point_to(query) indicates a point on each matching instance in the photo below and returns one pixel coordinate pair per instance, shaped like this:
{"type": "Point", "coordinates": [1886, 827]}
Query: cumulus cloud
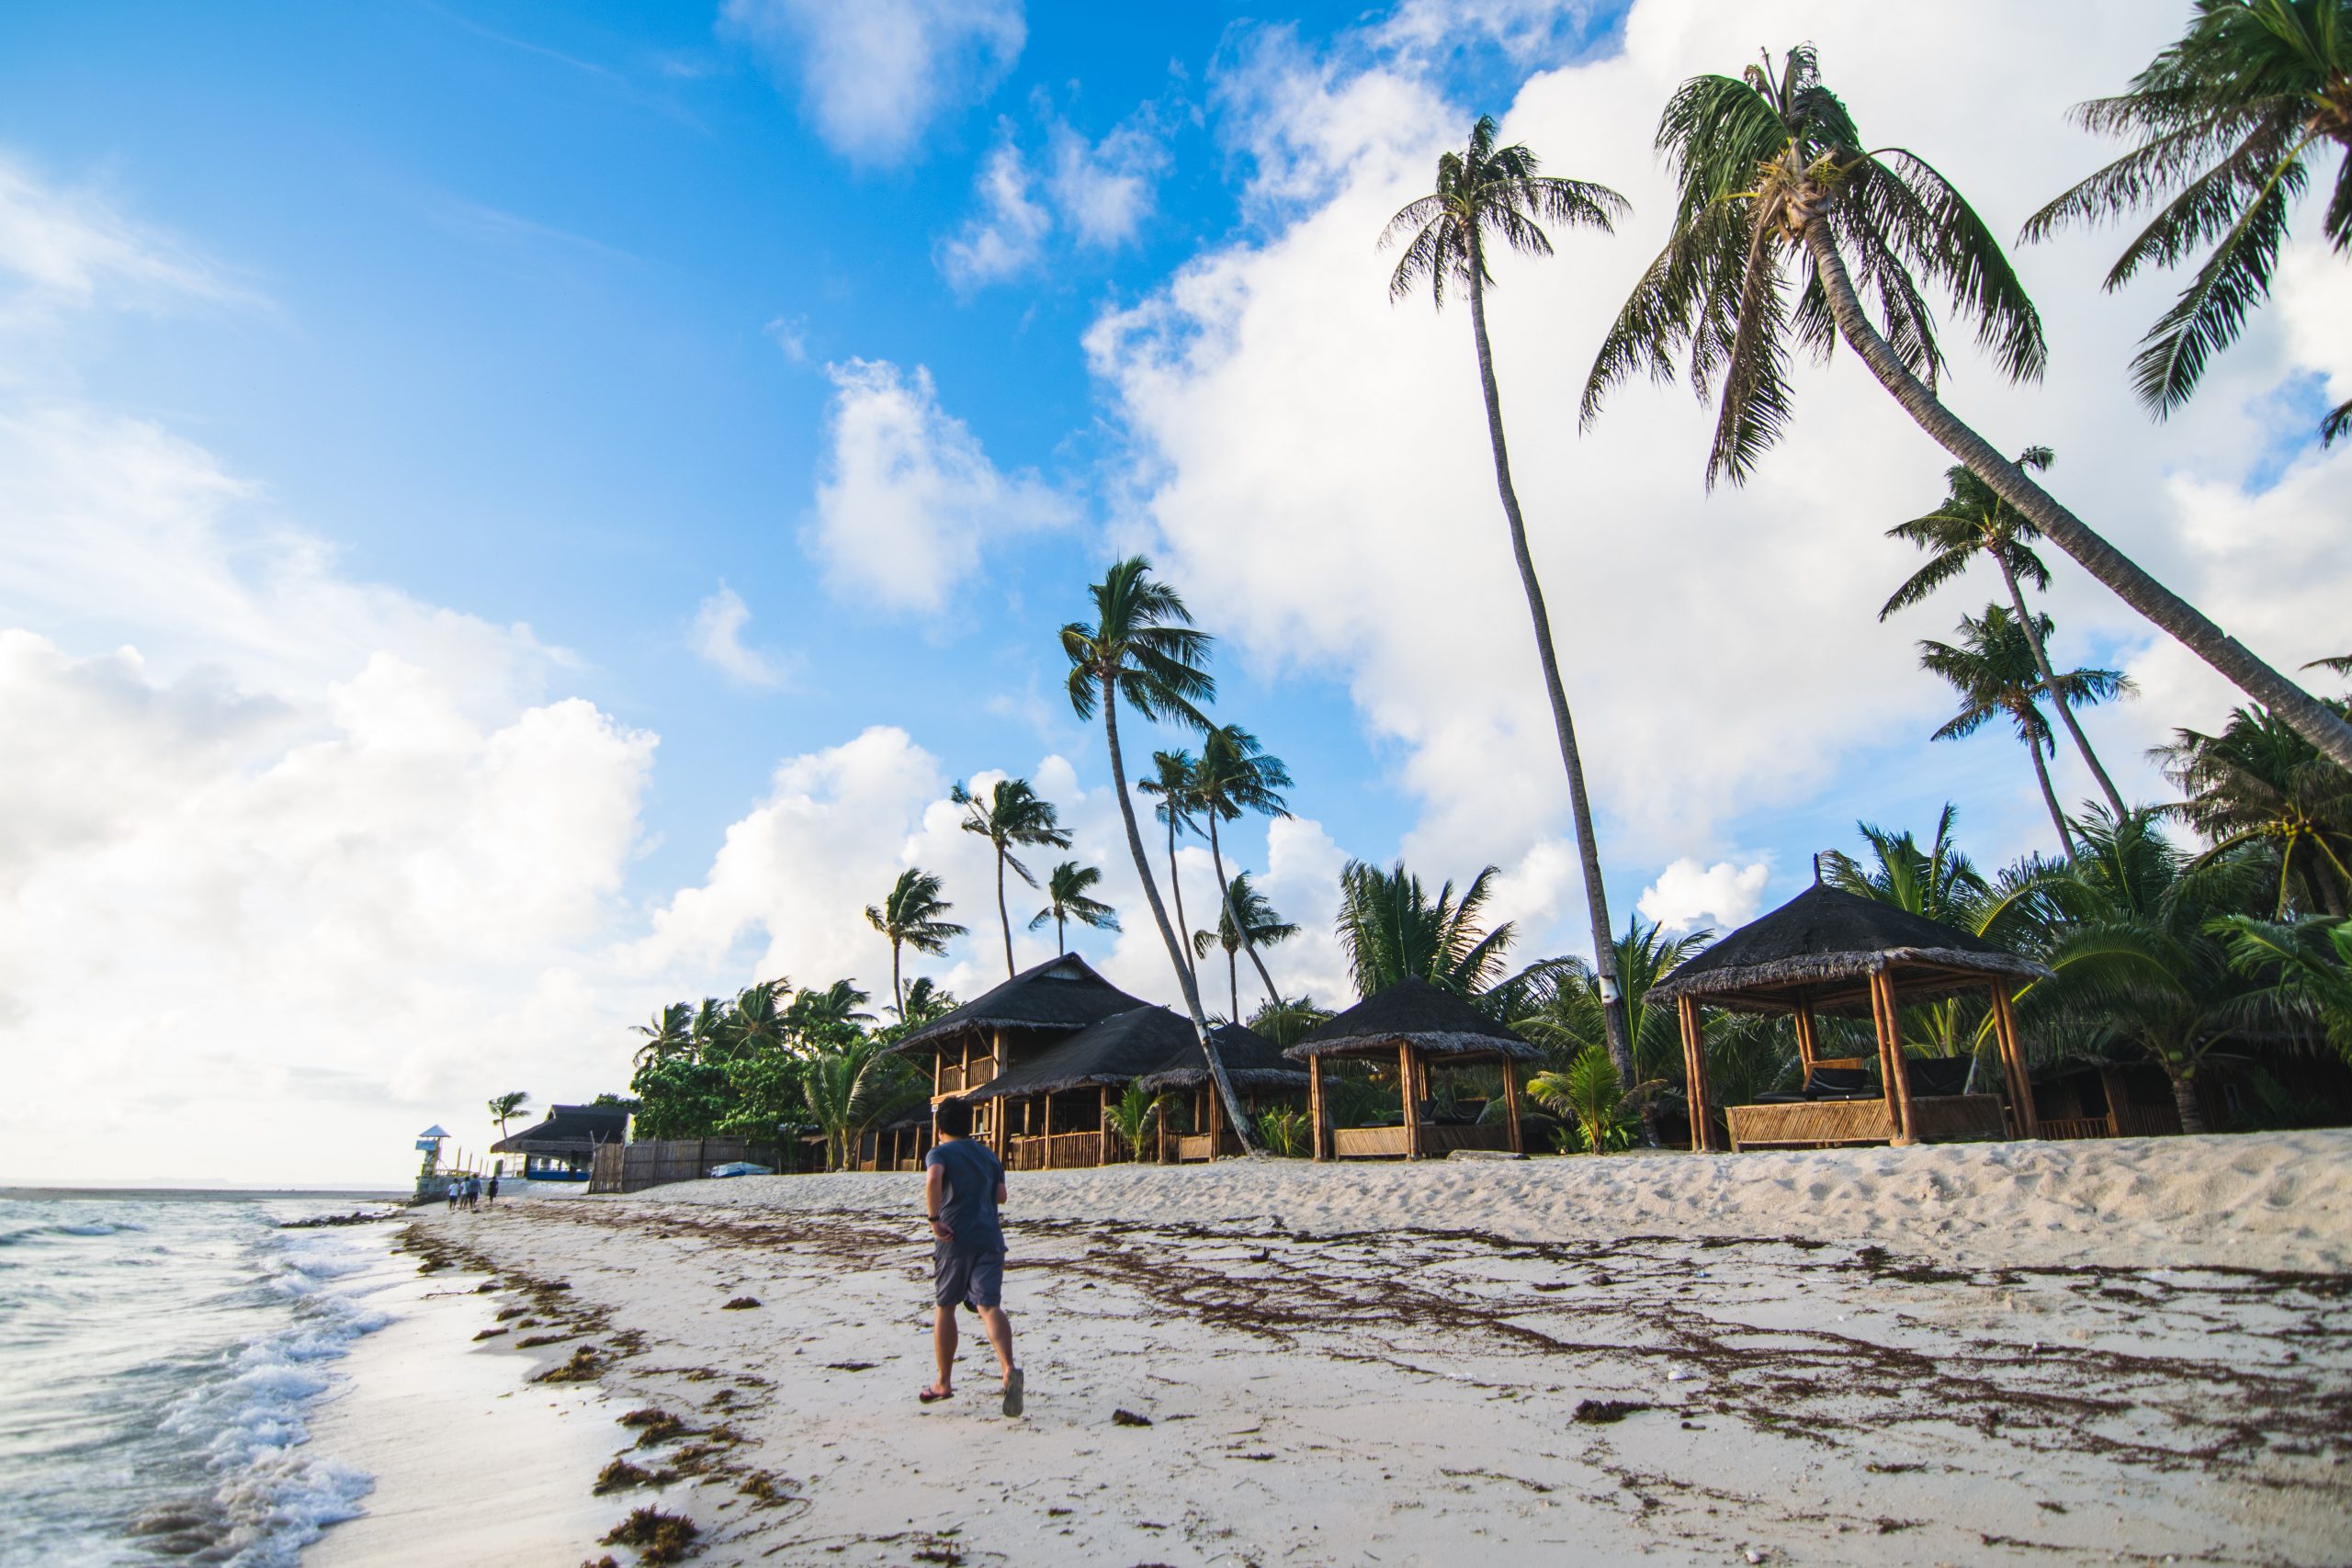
{"type": "Point", "coordinates": [1101, 191]}
{"type": "Point", "coordinates": [1007, 235]}
{"type": "Point", "coordinates": [874, 75]}
{"type": "Point", "coordinates": [907, 499]}
{"type": "Point", "coordinates": [1104, 189]}
{"type": "Point", "coordinates": [1722, 653]}
{"type": "Point", "coordinates": [1688, 895]}
{"type": "Point", "coordinates": [716, 639]}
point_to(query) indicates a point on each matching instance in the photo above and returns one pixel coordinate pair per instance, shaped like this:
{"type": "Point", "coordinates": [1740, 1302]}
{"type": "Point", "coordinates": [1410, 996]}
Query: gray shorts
{"type": "Point", "coordinates": [973, 1279]}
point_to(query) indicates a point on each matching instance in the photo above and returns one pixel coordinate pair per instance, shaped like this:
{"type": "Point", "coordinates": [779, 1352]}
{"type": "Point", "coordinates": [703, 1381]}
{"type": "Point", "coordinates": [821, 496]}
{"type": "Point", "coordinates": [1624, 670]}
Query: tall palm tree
{"type": "Point", "coordinates": [1171, 783]}
{"type": "Point", "coordinates": [1234, 775]}
{"type": "Point", "coordinates": [2258, 781]}
{"type": "Point", "coordinates": [504, 1108]}
{"type": "Point", "coordinates": [1245, 919]}
{"type": "Point", "coordinates": [911, 916]}
{"type": "Point", "coordinates": [1013, 814]}
{"type": "Point", "coordinates": [1484, 192]}
{"type": "Point", "coordinates": [1142, 648]}
{"type": "Point", "coordinates": [1771, 166]}
{"type": "Point", "coordinates": [666, 1036]}
{"type": "Point", "coordinates": [1067, 899]}
{"type": "Point", "coordinates": [1974, 518]}
{"type": "Point", "coordinates": [2232, 116]}
{"type": "Point", "coordinates": [1995, 671]}
{"type": "Point", "coordinates": [1390, 928]}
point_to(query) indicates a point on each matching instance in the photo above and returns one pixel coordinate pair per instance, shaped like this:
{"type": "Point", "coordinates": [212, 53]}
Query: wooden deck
{"type": "Point", "coordinates": [1435, 1141]}
{"type": "Point", "coordinates": [1830, 1124]}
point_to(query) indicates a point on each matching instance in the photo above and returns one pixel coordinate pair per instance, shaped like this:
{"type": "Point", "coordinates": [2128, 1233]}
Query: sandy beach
{"type": "Point", "coordinates": [2073, 1352]}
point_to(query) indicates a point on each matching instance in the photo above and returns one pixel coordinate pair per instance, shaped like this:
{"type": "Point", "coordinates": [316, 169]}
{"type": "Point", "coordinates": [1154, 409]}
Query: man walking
{"type": "Point", "coordinates": [962, 1185]}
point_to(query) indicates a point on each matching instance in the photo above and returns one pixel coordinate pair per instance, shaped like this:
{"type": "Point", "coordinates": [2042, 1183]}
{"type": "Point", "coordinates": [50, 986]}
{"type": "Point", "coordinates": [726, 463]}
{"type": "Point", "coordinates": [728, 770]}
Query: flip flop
{"type": "Point", "coordinates": [934, 1395]}
{"type": "Point", "coordinates": [1012, 1392]}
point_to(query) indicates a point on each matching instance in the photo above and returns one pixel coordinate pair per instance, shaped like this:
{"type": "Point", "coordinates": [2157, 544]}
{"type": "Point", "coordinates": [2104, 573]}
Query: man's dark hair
{"type": "Point", "coordinates": [953, 1118]}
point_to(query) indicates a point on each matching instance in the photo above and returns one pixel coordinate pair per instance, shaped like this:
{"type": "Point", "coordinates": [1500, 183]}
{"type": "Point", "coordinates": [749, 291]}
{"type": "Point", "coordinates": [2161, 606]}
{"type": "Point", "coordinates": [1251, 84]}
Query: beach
{"type": "Point", "coordinates": [2121, 1350]}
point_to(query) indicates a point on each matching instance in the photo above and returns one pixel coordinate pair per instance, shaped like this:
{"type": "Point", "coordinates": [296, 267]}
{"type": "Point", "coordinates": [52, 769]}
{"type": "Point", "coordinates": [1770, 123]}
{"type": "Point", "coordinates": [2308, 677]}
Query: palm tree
{"type": "Point", "coordinates": [1390, 928]}
{"type": "Point", "coordinates": [1973, 518]}
{"type": "Point", "coordinates": [925, 1000]}
{"type": "Point", "coordinates": [1770, 165]}
{"type": "Point", "coordinates": [2309, 964]}
{"type": "Point", "coordinates": [853, 1085]}
{"type": "Point", "coordinates": [820, 1021]}
{"type": "Point", "coordinates": [2230, 115]}
{"type": "Point", "coordinates": [1591, 1094]}
{"type": "Point", "coordinates": [1131, 1117]}
{"type": "Point", "coordinates": [1994, 669]}
{"type": "Point", "coordinates": [1234, 774]}
{"type": "Point", "coordinates": [1013, 814]}
{"type": "Point", "coordinates": [1246, 920]}
{"type": "Point", "coordinates": [1172, 784]}
{"type": "Point", "coordinates": [1285, 1019]}
{"type": "Point", "coordinates": [666, 1036]}
{"type": "Point", "coordinates": [1481, 191]}
{"type": "Point", "coordinates": [506, 1107]}
{"type": "Point", "coordinates": [1939, 881]}
{"type": "Point", "coordinates": [1142, 647]}
{"type": "Point", "coordinates": [911, 917]}
{"type": "Point", "coordinates": [1067, 899]}
{"type": "Point", "coordinates": [2258, 781]}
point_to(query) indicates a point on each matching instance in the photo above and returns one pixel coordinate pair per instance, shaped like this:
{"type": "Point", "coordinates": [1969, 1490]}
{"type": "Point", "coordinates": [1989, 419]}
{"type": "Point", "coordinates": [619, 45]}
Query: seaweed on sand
{"type": "Point", "coordinates": [658, 1537]}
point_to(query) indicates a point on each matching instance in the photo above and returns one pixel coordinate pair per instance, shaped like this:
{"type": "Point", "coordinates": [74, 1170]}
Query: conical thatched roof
{"type": "Point", "coordinates": [1414, 1012]}
{"type": "Point", "coordinates": [1059, 994]}
{"type": "Point", "coordinates": [1144, 1042]}
{"type": "Point", "coordinates": [1834, 940]}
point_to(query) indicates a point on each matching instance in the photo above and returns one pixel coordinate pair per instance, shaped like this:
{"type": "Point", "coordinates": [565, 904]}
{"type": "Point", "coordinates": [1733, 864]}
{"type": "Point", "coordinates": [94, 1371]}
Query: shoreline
{"type": "Point", "coordinates": [1258, 1363]}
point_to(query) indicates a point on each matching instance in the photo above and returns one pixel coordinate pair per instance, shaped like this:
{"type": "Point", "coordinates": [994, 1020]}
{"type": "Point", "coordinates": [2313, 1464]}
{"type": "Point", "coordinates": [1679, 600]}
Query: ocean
{"type": "Point", "coordinates": [160, 1356]}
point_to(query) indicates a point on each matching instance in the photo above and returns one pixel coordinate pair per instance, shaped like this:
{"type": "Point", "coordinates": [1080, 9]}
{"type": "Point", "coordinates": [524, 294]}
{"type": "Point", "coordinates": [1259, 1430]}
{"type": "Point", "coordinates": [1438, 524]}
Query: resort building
{"type": "Point", "coordinates": [563, 1147]}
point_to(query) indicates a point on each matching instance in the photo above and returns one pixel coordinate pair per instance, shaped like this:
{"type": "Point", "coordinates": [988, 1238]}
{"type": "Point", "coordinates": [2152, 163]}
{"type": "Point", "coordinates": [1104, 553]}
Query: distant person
{"type": "Point", "coordinates": [962, 1185]}
{"type": "Point", "coordinates": [457, 1190]}
{"type": "Point", "coordinates": [473, 1192]}
{"type": "Point", "coordinates": [490, 1192]}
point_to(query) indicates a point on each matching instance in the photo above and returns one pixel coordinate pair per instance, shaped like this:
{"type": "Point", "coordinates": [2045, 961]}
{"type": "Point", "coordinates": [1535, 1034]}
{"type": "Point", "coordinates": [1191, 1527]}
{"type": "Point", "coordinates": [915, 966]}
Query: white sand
{"type": "Point", "coordinates": [2063, 1354]}
{"type": "Point", "coordinates": [469, 1460]}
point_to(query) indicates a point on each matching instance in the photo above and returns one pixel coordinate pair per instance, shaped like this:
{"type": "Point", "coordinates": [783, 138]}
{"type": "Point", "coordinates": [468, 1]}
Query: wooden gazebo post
{"type": "Point", "coordinates": [2004, 1025]}
{"type": "Point", "coordinates": [1700, 1095]}
{"type": "Point", "coordinates": [1314, 1104]}
{"type": "Point", "coordinates": [1510, 1103]}
{"type": "Point", "coordinates": [1808, 1043]}
{"type": "Point", "coordinates": [1404, 1090]}
{"type": "Point", "coordinates": [1890, 1055]}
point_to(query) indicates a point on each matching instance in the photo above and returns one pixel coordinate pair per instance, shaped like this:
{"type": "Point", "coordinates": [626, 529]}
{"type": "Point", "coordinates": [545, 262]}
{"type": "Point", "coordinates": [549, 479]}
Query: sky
{"type": "Point", "coordinates": [515, 513]}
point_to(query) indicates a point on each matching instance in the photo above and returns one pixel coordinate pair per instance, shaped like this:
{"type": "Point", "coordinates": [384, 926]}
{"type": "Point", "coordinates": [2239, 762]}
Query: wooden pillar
{"type": "Point", "coordinates": [1808, 1041]}
{"type": "Point", "coordinates": [1511, 1104]}
{"type": "Point", "coordinates": [1890, 1035]}
{"type": "Point", "coordinates": [1407, 1082]}
{"type": "Point", "coordinates": [1217, 1124]}
{"type": "Point", "coordinates": [2005, 1020]}
{"type": "Point", "coordinates": [1103, 1128]}
{"type": "Point", "coordinates": [1314, 1104]}
{"type": "Point", "coordinates": [1699, 1094]}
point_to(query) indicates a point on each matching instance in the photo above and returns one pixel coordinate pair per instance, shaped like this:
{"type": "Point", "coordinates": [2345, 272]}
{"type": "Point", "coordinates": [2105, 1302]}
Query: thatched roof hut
{"type": "Point", "coordinates": [1060, 995]}
{"type": "Point", "coordinates": [1827, 951]}
{"type": "Point", "coordinates": [564, 1144]}
{"type": "Point", "coordinates": [1151, 1045]}
{"type": "Point", "coordinates": [1414, 1023]}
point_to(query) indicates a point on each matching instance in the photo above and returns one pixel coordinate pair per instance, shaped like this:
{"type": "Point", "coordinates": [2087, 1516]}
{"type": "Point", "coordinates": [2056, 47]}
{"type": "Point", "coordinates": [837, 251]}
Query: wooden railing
{"type": "Point", "coordinates": [1057, 1151]}
{"type": "Point", "coordinates": [2075, 1127]}
{"type": "Point", "coordinates": [960, 1078]}
{"type": "Point", "coordinates": [2147, 1122]}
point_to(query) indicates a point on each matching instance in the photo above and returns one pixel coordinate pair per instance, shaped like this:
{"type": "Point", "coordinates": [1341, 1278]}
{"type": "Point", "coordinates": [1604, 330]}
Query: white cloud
{"type": "Point", "coordinates": [907, 499]}
{"type": "Point", "coordinates": [1688, 895]}
{"type": "Point", "coordinates": [1314, 462]}
{"type": "Point", "coordinates": [72, 249]}
{"type": "Point", "coordinates": [875, 74]}
{"type": "Point", "coordinates": [1007, 236]}
{"type": "Point", "coordinates": [717, 640]}
{"type": "Point", "coordinates": [1104, 189]}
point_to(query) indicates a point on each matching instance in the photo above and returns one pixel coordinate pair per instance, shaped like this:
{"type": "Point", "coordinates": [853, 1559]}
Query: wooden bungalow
{"type": "Point", "coordinates": [898, 1145]}
{"type": "Point", "coordinates": [562, 1147]}
{"type": "Point", "coordinates": [1259, 1074]}
{"type": "Point", "coordinates": [1415, 1025]}
{"type": "Point", "coordinates": [1831, 953]}
{"type": "Point", "coordinates": [975, 1044]}
{"type": "Point", "coordinates": [1054, 1107]}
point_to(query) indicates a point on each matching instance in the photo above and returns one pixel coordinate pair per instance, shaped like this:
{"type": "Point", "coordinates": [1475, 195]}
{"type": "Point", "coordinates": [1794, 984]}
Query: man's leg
{"type": "Point", "coordinates": [943, 1347]}
{"type": "Point", "coordinates": [1000, 1331]}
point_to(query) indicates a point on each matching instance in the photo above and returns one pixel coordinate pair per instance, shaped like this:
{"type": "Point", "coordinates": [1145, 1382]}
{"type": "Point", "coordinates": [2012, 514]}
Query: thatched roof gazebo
{"type": "Point", "coordinates": [1415, 1023]}
{"type": "Point", "coordinates": [974, 1042]}
{"type": "Point", "coordinates": [1146, 1044]}
{"type": "Point", "coordinates": [563, 1146]}
{"type": "Point", "coordinates": [1830, 952]}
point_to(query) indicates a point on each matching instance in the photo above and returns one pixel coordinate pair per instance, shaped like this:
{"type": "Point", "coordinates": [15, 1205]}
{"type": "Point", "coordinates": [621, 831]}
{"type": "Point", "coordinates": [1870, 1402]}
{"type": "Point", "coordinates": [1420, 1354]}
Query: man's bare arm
{"type": "Point", "coordinates": [934, 1193]}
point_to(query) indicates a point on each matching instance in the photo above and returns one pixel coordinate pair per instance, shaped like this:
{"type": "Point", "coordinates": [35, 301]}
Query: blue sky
{"type": "Point", "coordinates": [788, 376]}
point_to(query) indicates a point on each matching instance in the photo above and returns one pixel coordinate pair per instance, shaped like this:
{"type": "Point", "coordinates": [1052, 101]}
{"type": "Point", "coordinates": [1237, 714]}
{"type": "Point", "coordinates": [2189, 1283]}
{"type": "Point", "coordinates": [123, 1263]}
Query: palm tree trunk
{"type": "Point", "coordinates": [897, 987]}
{"type": "Point", "coordinates": [1233, 985]}
{"type": "Point", "coordinates": [1216, 859]}
{"type": "Point", "coordinates": [1176, 886]}
{"type": "Point", "coordinates": [2049, 686]}
{"type": "Point", "coordinates": [1184, 977]}
{"type": "Point", "coordinates": [2048, 796]}
{"type": "Point", "coordinates": [1000, 914]}
{"type": "Point", "coordinates": [2184, 1101]}
{"type": "Point", "coordinates": [2170, 613]}
{"type": "Point", "coordinates": [1595, 898]}
{"type": "Point", "coordinates": [1061, 935]}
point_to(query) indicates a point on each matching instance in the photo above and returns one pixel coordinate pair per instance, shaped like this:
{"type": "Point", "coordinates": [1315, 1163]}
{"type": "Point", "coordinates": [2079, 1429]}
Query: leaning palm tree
{"type": "Point", "coordinates": [1013, 814]}
{"type": "Point", "coordinates": [1246, 920]}
{"type": "Point", "coordinates": [1770, 167]}
{"type": "Point", "coordinates": [1994, 669]}
{"type": "Point", "coordinates": [1067, 899]}
{"type": "Point", "coordinates": [1142, 648]}
{"type": "Point", "coordinates": [1484, 194]}
{"type": "Point", "coordinates": [504, 1108]}
{"type": "Point", "coordinates": [2232, 117]}
{"type": "Point", "coordinates": [1973, 518]}
{"type": "Point", "coordinates": [913, 916]}
{"type": "Point", "coordinates": [1171, 783]}
{"type": "Point", "coordinates": [1234, 775]}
